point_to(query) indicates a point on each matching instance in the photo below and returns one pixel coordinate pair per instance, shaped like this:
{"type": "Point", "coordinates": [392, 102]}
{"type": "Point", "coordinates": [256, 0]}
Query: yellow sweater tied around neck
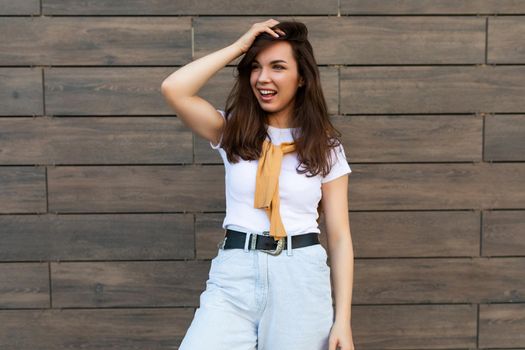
{"type": "Point", "coordinates": [267, 184]}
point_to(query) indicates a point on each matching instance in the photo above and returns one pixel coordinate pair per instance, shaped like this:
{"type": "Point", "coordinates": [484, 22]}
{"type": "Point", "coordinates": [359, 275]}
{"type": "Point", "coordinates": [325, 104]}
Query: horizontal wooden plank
{"type": "Point", "coordinates": [414, 326]}
{"type": "Point", "coordinates": [21, 91]}
{"type": "Point", "coordinates": [24, 285]}
{"type": "Point", "coordinates": [439, 89]}
{"type": "Point", "coordinates": [367, 40]}
{"type": "Point", "coordinates": [187, 7]}
{"type": "Point", "coordinates": [415, 234]}
{"type": "Point", "coordinates": [504, 138]}
{"type": "Point", "coordinates": [96, 237]}
{"type": "Point", "coordinates": [105, 91]}
{"type": "Point", "coordinates": [19, 7]}
{"type": "Point", "coordinates": [439, 280]}
{"type": "Point", "coordinates": [505, 40]}
{"type": "Point", "coordinates": [391, 7]}
{"type": "Point", "coordinates": [126, 284]}
{"type": "Point", "coordinates": [95, 41]}
{"type": "Point", "coordinates": [167, 140]}
{"type": "Point", "coordinates": [23, 190]}
{"type": "Point", "coordinates": [95, 140]}
{"type": "Point", "coordinates": [387, 281]}
{"type": "Point", "coordinates": [116, 329]}
{"type": "Point", "coordinates": [377, 187]}
{"type": "Point", "coordinates": [130, 91]}
{"type": "Point", "coordinates": [437, 186]}
{"type": "Point", "coordinates": [502, 326]}
{"type": "Point", "coordinates": [503, 233]}
{"type": "Point", "coordinates": [442, 138]}
{"type": "Point", "coordinates": [135, 188]}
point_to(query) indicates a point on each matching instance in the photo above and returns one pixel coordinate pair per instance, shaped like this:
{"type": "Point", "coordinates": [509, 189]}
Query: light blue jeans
{"type": "Point", "coordinates": [254, 300]}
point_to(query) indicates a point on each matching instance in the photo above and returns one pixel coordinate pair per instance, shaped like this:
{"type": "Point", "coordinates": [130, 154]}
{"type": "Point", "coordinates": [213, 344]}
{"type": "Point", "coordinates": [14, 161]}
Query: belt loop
{"type": "Point", "coordinates": [289, 245]}
{"type": "Point", "coordinates": [247, 240]}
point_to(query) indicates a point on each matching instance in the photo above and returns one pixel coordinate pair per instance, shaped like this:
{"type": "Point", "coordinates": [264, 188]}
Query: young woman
{"type": "Point", "coordinates": [269, 286]}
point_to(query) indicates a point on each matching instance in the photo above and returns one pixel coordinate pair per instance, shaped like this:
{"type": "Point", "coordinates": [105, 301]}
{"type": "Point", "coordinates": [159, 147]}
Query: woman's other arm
{"type": "Point", "coordinates": [335, 208]}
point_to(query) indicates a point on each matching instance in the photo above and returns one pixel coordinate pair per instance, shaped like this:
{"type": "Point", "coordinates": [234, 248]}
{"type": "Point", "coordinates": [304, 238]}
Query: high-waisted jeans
{"type": "Point", "coordinates": [254, 300]}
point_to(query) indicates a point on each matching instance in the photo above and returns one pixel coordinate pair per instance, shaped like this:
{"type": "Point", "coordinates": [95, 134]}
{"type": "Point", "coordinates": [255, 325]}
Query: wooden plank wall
{"type": "Point", "coordinates": [110, 208]}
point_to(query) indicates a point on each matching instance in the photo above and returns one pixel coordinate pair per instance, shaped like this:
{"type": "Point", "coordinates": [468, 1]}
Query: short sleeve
{"type": "Point", "coordinates": [340, 166]}
{"type": "Point", "coordinates": [217, 146]}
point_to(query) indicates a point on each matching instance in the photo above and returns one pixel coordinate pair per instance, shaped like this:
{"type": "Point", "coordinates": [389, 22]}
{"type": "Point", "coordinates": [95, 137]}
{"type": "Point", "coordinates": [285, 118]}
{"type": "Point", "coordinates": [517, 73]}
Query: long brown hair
{"type": "Point", "coordinates": [245, 132]}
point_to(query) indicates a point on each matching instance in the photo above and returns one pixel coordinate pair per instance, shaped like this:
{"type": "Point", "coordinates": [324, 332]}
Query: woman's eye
{"type": "Point", "coordinates": [280, 67]}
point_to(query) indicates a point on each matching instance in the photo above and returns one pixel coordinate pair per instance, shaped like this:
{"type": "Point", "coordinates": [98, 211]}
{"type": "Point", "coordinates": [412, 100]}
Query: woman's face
{"type": "Point", "coordinates": [275, 68]}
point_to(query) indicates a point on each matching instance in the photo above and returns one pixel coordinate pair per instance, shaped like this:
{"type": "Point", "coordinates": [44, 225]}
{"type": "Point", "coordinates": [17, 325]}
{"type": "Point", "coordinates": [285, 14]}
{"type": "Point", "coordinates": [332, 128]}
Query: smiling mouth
{"type": "Point", "coordinates": [267, 97]}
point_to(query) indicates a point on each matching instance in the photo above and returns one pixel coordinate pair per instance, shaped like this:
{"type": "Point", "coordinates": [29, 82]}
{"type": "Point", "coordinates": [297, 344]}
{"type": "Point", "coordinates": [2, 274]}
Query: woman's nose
{"type": "Point", "coordinates": [263, 76]}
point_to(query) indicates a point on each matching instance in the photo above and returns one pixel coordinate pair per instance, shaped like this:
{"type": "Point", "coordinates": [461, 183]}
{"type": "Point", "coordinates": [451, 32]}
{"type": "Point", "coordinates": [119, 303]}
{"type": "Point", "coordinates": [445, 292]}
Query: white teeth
{"type": "Point", "coordinates": [266, 92]}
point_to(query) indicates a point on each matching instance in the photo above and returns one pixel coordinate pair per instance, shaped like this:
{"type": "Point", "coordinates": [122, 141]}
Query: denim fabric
{"type": "Point", "coordinates": [254, 300]}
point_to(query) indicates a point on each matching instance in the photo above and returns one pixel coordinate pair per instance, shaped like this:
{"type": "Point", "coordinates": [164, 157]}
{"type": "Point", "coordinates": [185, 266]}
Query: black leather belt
{"type": "Point", "coordinates": [266, 243]}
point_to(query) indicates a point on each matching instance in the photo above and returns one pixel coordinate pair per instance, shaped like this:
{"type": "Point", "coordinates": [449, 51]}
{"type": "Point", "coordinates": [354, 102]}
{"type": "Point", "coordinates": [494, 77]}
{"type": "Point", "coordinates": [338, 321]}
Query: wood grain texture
{"type": "Point", "coordinates": [397, 7]}
{"type": "Point", "coordinates": [96, 237]}
{"type": "Point", "coordinates": [155, 329]}
{"type": "Point", "coordinates": [105, 91]}
{"type": "Point", "coordinates": [135, 188]}
{"type": "Point", "coordinates": [415, 233]}
{"type": "Point", "coordinates": [505, 44]}
{"type": "Point", "coordinates": [437, 186]}
{"type": "Point", "coordinates": [128, 284]}
{"type": "Point", "coordinates": [504, 233]}
{"type": "Point", "coordinates": [21, 91]}
{"type": "Point", "coordinates": [95, 41]}
{"type": "Point", "coordinates": [439, 280]}
{"type": "Point", "coordinates": [504, 138]}
{"type": "Point", "coordinates": [24, 285]}
{"type": "Point", "coordinates": [19, 7]}
{"type": "Point", "coordinates": [414, 326]}
{"type": "Point", "coordinates": [95, 140]}
{"type": "Point", "coordinates": [502, 325]}
{"type": "Point", "coordinates": [437, 89]}
{"type": "Point", "coordinates": [23, 190]}
{"type": "Point", "coordinates": [367, 40]}
{"type": "Point", "coordinates": [188, 7]}
{"type": "Point", "coordinates": [414, 138]}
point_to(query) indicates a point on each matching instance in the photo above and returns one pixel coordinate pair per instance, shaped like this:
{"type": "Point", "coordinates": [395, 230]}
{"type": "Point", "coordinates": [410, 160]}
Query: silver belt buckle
{"type": "Point", "coordinates": [278, 249]}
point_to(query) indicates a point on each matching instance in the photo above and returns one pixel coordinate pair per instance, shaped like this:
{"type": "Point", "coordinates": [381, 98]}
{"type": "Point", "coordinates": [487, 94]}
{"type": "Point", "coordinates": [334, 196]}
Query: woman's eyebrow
{"type": "Point", "coordinates": [274, 61]}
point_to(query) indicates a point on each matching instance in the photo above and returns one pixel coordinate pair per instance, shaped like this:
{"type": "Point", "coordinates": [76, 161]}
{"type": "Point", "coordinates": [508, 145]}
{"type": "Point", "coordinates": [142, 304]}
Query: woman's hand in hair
{"type": "Point", "coordinates": [245, 41]}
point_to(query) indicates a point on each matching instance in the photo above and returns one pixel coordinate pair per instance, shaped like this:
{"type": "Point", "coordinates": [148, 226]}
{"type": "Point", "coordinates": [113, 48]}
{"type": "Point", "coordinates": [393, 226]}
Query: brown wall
{"type": "Point", "coordinates": [110, 208]}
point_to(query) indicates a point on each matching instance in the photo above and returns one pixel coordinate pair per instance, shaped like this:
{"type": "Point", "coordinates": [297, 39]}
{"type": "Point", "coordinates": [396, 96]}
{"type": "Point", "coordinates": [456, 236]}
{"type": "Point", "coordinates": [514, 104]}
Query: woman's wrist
{"type": "Point", "coordinates": [237, 49]}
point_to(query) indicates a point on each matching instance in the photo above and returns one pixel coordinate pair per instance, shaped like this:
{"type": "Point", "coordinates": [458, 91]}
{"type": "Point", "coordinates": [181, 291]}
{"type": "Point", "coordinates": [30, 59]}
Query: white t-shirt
{"type": "Point", "coordinates": [299, 195]}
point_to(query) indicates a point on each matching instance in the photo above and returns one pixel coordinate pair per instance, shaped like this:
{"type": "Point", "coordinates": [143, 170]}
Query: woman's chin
{"type": "Point", "coordinates": [265, 107]}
